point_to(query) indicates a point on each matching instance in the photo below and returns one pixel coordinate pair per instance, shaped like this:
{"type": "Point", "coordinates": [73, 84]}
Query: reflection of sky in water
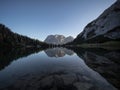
{"type": "Point", "coordinates": [41, 65]}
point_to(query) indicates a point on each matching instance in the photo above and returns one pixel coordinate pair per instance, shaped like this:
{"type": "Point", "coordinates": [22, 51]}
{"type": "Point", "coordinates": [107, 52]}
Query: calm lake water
{"type": "Point", "coordinates": [59, 69]}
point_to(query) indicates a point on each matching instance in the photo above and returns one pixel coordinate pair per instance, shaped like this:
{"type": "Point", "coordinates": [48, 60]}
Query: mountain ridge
{"type": "Point", "coordinates": [105, 28]}
{"type": "Point", "coordinates": [58, 39]}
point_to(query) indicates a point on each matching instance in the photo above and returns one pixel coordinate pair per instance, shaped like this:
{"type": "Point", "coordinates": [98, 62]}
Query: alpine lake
{"type": "Point", "coordinates": [59, 68]}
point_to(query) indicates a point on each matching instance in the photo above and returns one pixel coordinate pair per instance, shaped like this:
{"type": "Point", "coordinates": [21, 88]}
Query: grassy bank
{"type": "Point", "coordinates": [106, 45]}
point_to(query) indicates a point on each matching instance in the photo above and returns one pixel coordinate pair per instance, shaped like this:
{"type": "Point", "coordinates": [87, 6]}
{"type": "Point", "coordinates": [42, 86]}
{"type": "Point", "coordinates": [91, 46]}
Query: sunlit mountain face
{"type": "Point", "coordinates": [58, 39]}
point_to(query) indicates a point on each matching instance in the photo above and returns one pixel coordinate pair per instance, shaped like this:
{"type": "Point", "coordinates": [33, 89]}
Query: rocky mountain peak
{"type": "Point", "coordinates": [58, 39]}
{"type": "Point", "coordinates": [106, 26]}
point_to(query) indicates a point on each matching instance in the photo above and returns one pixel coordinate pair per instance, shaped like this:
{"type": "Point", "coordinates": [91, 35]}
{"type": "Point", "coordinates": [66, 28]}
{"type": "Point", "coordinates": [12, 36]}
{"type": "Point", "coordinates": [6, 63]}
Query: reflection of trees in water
{"type": "Point", "coordinates": [7, 55]}
{"type": "Point", "coordinates": [105, 62]}
{"type": "Point", "coordinates": [58, 52]}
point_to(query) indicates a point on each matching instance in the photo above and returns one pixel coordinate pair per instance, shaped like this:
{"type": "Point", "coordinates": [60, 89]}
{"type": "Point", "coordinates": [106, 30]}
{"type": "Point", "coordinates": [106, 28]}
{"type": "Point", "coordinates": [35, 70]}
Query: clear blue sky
{"type": "Point", "coordinates": [40, 18]}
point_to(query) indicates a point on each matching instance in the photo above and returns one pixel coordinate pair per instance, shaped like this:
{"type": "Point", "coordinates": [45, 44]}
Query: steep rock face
{"type": "Point", "coordinates": [58, 39]}
{"type": "Point", "coordinates": [105, 28]}
{"type": "Point", "coordinates": [68, 39]}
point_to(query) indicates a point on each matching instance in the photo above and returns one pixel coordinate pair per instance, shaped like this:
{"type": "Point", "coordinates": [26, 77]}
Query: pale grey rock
{"type": "Point", "coordinates": [83, 86]}
{"type": "Point", "coordinates": [86, 78]}
{"type": "Point", "coordinates": [68, 78]}
{"type": "Point", "coordinates": [55, 39]}
{"type": "Point", "coordinates": [106, 25]}
{"type": "Point", "coordinates": [68, 39]}
{"type": "Point", "coordinates": [58, 39]}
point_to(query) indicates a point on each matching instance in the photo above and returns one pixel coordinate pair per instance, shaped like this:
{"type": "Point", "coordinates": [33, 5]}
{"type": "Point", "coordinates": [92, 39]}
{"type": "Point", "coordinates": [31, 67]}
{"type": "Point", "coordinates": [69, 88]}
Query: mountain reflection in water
{"type": "Point", "coordinates": [58, 52]}
{"type": "Point", "coordinates": [39, 72]}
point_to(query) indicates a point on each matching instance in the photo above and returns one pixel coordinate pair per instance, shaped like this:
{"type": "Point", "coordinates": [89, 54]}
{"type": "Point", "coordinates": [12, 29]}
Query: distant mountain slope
{"type": "Point", "coordinates": [58, 39]}
{"type": "Point", "coordinates": [105, 28]}
{"type": "Point", "coordinates": [11, 39]}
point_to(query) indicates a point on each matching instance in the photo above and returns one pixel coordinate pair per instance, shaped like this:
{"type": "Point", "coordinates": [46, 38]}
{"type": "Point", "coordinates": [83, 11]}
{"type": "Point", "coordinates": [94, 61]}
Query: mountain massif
{"type": "Point", "coordinates": [58, 39]}
{"type": "Point", "coordinates": [105, 28]}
